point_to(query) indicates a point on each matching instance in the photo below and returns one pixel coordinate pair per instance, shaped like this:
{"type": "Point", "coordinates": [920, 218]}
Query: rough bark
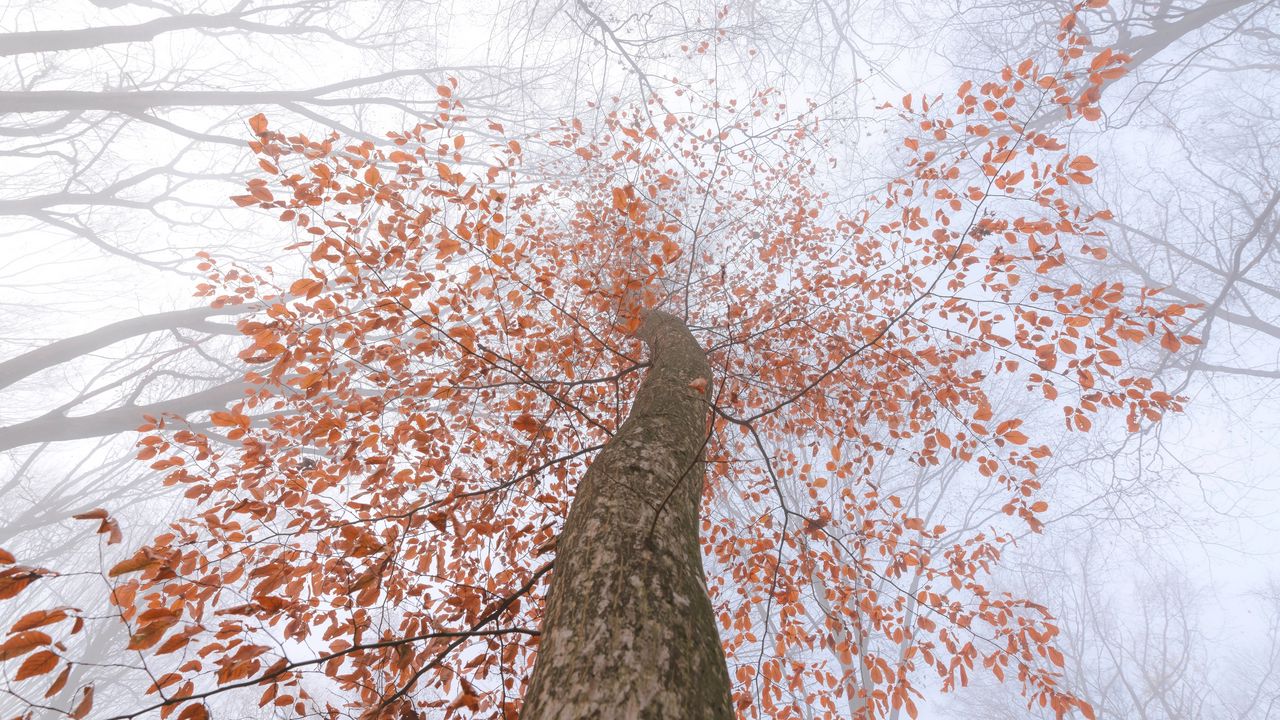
{"type": "Point", "coordinates": [629, 630]}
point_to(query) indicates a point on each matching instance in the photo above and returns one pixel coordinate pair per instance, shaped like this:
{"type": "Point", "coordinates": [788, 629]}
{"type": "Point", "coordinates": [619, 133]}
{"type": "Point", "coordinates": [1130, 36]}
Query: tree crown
{"type": "Point", "coordinates": [453, 339]}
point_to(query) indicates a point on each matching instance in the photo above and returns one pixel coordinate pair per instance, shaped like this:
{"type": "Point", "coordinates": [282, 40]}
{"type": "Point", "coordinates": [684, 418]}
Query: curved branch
{"type": "Point", "coordinates": [68, 349]}
{"type": "Point", "coordinates": [56, 427]}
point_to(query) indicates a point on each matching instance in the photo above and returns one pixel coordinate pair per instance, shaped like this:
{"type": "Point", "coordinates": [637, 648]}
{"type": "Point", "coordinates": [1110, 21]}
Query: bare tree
{"type": "Point", "coordinates": [122, 132]}
{"type": "Point", "coordinates": [1146, 642]}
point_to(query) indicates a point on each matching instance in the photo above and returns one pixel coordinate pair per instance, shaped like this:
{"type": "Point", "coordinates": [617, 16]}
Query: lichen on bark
{"type": "Point", "coordinates": [628, 630]}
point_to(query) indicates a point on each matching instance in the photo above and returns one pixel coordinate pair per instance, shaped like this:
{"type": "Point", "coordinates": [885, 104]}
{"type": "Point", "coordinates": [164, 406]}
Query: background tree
{"type": "Point", "coordinates": [1193, 204]}
{"type": "Point", "coordinates": [1189, 61]}
{"type": "Point", "coordinates": [1150, 653]}
{"type": "Point", "coordinates": [447, 327]}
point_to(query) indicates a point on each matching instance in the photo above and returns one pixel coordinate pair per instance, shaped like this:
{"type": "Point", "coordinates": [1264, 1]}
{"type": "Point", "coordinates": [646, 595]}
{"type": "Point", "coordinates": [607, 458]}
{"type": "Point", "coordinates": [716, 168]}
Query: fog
{"type": "Point", "coordinates": [124, 129]}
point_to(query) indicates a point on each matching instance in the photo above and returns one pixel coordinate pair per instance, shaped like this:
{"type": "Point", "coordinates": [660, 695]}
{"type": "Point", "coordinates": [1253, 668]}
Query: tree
{"type": "Point", "coordinates": [1208, 210]}
{"type": "Point", "coordinates": [452, 346]}
{"type": "Point", "coordinates": [629, 628]}
{"type": "Point", "coordinates": [1149, 652]}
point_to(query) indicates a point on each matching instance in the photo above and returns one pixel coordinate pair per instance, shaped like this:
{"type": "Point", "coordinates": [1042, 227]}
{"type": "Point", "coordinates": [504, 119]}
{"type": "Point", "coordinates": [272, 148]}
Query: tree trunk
{"type": "Point", "coordinates": [629, 631]}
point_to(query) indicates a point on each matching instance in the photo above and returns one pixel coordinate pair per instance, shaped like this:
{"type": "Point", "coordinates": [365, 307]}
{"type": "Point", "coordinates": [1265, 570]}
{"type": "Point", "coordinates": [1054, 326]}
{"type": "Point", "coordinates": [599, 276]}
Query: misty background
{"type": "Point", "coordinates": [122, 133]}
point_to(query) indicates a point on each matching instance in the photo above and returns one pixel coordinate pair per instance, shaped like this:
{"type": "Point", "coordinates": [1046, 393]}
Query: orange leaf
{"type": "Point", "coordinates": [258, 123]}
{"type": "Point", "coordinates": [465, 335]}
{"type": "Point", "coordinates": [526, 423]}
{"type": "Point", "coordinates": [223, 419]}
{"type": "Point", "coordinates": [447, 246]}
{"type": "Point", "coordinates": [439, 520]}
{"type": "Point", "coordinates": [305, 286]}
{"type": "Point", "coordinates": [112, 529]}
{"type": "Point", "coordinates": [140, 561]}
{"type": "Point", "coordinates": [1083, 163]}
{"type": "Point", "coordinates": [194, 711]}
{"type": "Point", "coordinates": [38, 618]}
{"type": "Point", "coordinates": [1055, 656]}
{"type": "Point", "coordinates": [85, 704]}
{"type": "Point", "coordinates": [151, 632]}
{"type": "Point", "coordinates": [176, 642]}
{"type": "Point", "coordinates": [15, 579]}
{"type": "Point", "coordinates": [37, 664]}
{"type": "Point", "coordinates": [1100, 59]}
{"type": "Point", "coordinates": [23, 643]}
{"type": "Point", "coordinates": [59, 682]}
